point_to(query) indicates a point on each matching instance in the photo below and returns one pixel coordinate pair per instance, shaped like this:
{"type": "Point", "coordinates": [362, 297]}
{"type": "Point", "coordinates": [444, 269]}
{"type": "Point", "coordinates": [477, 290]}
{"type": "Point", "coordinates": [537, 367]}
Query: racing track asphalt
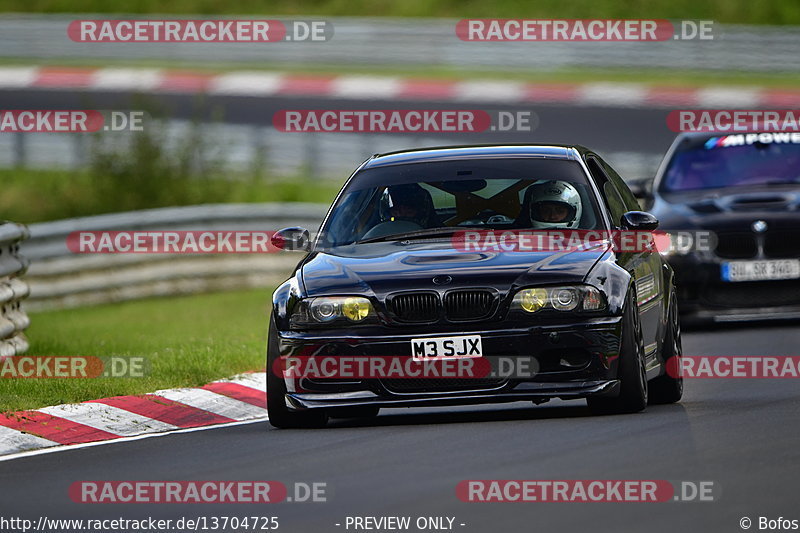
{"type": "Point", "coordinates": [602, 128]}
{"type": "Point", "coordinates": [741, 434]}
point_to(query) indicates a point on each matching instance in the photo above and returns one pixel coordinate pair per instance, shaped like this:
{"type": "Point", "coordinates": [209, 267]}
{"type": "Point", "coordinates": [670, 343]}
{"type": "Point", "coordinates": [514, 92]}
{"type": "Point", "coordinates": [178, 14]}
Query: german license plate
{"type": "Point", "coordinates": [761, 270]}
{"type": "Point", "coordinates": [447, 347]}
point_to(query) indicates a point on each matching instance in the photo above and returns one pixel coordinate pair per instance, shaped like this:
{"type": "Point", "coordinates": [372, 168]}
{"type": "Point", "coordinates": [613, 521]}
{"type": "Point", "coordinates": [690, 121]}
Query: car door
{"type": "Point", "coordinates": [643, 265]}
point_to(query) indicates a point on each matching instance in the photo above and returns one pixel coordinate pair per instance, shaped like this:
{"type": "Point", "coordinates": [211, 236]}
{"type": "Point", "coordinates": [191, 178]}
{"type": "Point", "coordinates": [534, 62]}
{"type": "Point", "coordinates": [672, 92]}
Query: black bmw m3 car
{"type": "Point", "coordinates": [735, 200]}
{"type": "Point", "coordinates": [388, 275]}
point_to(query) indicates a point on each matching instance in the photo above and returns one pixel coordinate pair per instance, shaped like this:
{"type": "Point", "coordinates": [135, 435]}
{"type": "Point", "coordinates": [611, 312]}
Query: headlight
{"type": "Point", "coordinates": [569, 298]}
{"type": "Point", "coordinates": [356, 309]}
{"type": "Point", "coordinates": [332, 309]}
{"type": "Point", "coordinates": [565, 299]}
{"type": "Point", "coordinates": [325, 310]}
{"type": "Point", "coordinates": [531, 300]}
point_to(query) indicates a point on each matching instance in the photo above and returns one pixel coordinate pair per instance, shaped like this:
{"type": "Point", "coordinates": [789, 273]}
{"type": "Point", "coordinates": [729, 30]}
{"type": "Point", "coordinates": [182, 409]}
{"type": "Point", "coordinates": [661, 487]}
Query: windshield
{"type": "Point", "coordinates": [428, 200]}
{"type": "Point", "coordinates": [735, 161]}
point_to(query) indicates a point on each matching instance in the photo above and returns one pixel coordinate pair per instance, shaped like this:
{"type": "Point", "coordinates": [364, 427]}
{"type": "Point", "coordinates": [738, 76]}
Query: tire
{"type": "Point", "coordinates": [631, 369]}
{"type": "Point", "coordinates": [279, 415]}
{"type": "Point", "coordinates": [666, 389]}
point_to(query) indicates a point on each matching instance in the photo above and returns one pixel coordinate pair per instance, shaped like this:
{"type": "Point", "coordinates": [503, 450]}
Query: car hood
{"type": "Point", "coordinates": [382, 268]}
{"type": "Point", "coordinates": [708, 209]}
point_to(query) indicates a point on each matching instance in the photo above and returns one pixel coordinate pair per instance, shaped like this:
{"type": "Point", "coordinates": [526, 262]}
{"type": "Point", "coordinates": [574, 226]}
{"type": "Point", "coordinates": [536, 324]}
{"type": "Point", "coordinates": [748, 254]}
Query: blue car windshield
{"type": "Point", "coordinates": [735, 161]}
{"type": "Point", "coordinates": [382, 202]}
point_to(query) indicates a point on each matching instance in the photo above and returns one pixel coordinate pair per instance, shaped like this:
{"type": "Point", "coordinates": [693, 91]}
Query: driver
{"type": "Point", "coordinates": [553, 205]}
{"type": "Point", "coordinates": [408, 202]}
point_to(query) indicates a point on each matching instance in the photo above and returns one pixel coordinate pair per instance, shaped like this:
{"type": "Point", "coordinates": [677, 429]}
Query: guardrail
{"type": "Point", "coordinates": [13, 320]}
{"type": "Point", "coordinates": [420, 41]}
{"type": "Point", "coordinates": [59, 278]}
{"type": "Point", "coordinates": [251, 147]}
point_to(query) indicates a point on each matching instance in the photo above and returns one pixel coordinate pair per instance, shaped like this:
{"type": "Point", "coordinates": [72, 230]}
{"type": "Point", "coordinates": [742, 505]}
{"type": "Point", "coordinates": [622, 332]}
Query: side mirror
{"type": "Point", "coordinates": [292, 239]}
{"type": "Point", "coordinates": [639, 220]}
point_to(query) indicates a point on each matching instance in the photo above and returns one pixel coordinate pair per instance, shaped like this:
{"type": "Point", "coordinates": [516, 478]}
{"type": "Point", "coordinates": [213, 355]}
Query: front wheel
{"type": "Point", "coordinates": [632, 374]}
{"type": "Point", "coordinates": [666, 388]}
{"type": "Point", "coordinates": [279, 414]}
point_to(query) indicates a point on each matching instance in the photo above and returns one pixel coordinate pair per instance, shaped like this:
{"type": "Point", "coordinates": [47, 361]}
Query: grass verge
{"type": "Point", "coordinates": [40, 195]}
{"type": "Point", "coordinates": [186, 341]}
{"type": "Point", "coordinates": [739, 11]}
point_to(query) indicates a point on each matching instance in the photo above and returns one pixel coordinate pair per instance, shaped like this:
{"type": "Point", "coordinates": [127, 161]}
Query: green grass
{"type": "Point", "coordinates": [739, 11]}
{"type": "Point", "coordinates": [186, 341]}
{"type": "Point", "coordinates": [40, 195]}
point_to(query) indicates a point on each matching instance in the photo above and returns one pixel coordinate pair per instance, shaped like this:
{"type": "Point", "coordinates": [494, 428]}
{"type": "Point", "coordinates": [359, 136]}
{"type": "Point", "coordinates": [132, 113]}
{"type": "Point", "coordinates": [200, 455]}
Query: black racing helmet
{"type": "Point", "coordinates": [412, 196]}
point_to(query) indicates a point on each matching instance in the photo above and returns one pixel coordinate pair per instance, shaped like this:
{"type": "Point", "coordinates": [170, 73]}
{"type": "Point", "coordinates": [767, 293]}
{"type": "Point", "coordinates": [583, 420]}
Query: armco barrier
{"type": "Point", "coordinates": [13, 320]}
{"type": "Point", "coordinates": [59, 278]}
{"type": "Point", "coordinates": [250, 147]}
{"type": "Point", "coordinates": [418, 42]}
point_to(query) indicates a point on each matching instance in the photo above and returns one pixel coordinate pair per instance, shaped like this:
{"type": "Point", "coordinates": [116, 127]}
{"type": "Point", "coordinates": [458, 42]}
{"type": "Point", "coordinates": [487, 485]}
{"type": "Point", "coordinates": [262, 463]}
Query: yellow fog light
{"type": "Point", "coordinates": [356, 309]}
{"type": "Point", "coordinates": [533, 299]}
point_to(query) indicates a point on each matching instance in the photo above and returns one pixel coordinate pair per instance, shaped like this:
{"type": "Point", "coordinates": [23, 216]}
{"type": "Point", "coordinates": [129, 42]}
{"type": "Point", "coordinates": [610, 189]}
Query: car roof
{"type": "Point", "coordinates": [704, 135]}
{"type": "Point", "coordinates": [692, 139]}
{"type": "Point", "coordinates": [485, 151]}
{"type": "Point", "coordinates": [699, 134]}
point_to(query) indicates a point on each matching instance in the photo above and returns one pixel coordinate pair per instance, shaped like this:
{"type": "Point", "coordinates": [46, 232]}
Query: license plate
{"type": "Point", "coordinates": [761, 270]}
{"type": "Point", "coordinates": [447, 347]}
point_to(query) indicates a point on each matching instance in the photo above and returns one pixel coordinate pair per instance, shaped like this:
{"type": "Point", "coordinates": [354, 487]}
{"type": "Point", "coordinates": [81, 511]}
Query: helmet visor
{"type": "Point", "coordinates": [552, 212]}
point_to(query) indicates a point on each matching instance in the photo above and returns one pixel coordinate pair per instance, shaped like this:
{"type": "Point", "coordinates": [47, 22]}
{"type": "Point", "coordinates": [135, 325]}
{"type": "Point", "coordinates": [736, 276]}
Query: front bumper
{"type": "Point", "coordinates": [572, 360]}
{"type": "Point", "coordinates": [519, 391]}
{"type": "Point", "coordinates": [703, 296]}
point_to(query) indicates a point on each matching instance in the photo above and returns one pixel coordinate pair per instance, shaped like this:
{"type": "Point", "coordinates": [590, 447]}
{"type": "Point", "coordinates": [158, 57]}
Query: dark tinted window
{"type": "Point", "coordinates": [631, 203]}
{"type": "Point", "coordinates": [487, 194]}
{"type": "Point", "coordinates": [734, 161]}
{"type": "Point", "coordinates": [616, 206]}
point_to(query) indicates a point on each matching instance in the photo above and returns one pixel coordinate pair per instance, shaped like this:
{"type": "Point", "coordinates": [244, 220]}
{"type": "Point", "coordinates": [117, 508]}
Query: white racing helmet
{"type": "Point", "coordinates": [554, 205]}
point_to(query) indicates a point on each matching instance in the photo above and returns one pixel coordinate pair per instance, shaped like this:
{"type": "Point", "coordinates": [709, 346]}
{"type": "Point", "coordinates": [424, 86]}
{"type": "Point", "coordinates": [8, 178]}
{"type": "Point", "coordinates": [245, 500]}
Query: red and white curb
{"type": "Point", "coordinates": [260, 84]}
{"type": "Point", "coordinates": [239, 399]}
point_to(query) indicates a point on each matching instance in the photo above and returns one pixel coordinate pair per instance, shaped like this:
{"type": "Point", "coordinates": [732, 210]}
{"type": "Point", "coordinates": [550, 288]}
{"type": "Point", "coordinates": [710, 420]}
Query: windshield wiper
{"type": "Point", "coordinates": [433, 232]}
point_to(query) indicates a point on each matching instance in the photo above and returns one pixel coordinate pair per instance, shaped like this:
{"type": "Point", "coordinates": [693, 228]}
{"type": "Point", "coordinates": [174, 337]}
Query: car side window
{"type": "Point", "coordinates": [615, 203]}
{"type": "Point", "coordinates": [610, 194]}
{"type": "Point", "coordinates": [631, 203]}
